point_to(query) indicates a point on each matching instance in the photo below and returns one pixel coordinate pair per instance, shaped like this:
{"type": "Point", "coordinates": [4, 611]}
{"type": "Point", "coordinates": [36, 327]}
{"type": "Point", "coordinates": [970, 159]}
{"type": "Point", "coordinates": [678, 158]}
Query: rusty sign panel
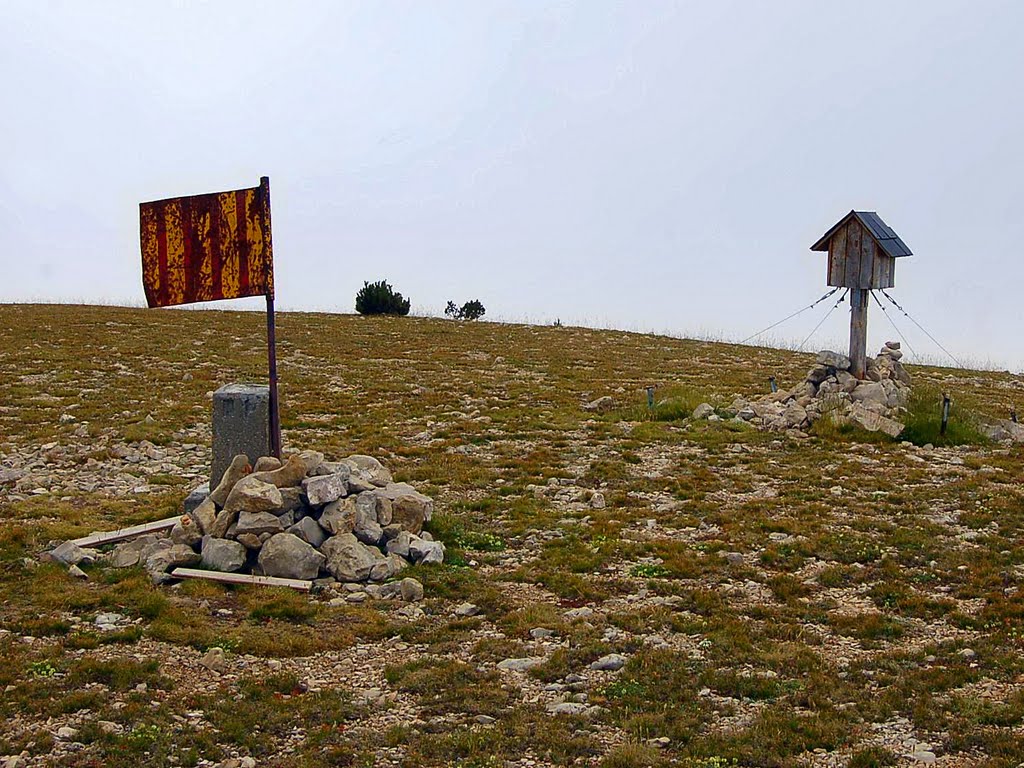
{"type": "Point", "coordinates": [207, 247]}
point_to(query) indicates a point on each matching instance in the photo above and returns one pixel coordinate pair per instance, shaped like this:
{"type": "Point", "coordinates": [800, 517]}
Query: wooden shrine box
{"type": "Point", "coordinates": [862, 252]}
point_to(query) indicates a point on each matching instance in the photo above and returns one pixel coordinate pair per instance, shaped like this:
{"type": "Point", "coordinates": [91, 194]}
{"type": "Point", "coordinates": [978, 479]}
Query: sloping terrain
{"type": "Point", "coordinates": [777, 600]}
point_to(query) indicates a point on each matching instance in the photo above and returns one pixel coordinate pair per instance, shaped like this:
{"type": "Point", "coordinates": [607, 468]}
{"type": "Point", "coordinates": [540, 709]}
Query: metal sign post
{"type": "Point", "coordinates": [275, 414]}
{"type": "Point", "coordinates": [212, 247]}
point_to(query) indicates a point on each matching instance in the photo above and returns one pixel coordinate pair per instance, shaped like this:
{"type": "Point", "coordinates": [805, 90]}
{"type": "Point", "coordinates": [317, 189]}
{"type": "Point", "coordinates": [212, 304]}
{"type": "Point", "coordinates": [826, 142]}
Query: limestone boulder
{"type": "Point", "coordinates": [222, 555]}
{"type": "Point", "coordinates": [702, 411]}
{"type": "Point", "coordinates": [204, 515]}
{"type": "Point", "coordinates": [339, 516]}
{"type": "Point", "coordinates": [426, 552]}
{"type": "Point", "coordinates": [873, 421]}
{"type": "Point", "coordinates": [238, 469]}
{"type": "Point", "coordinates": [266, 464]}
{"type": "Point", "coordinates": [69, 553]}
{"type": "Point", "coordinates": [833, 360]}
{"type": "Point", "coordinates": [870, 392]}
{"type": "Point", "coordinates": [288, 475]}
{"type": "Point", "coordinates": [369, 469]}
{"type": "Point", "coordinates": [250, 541]}
{"type": "Point", "coordinates": [399, 545]}
{"type": "Point", "coordinates": [324, 489]}
{"type": "Point", "coordinates": [348, 559]}
{"type": "Point", "coordinates": [159, 562]}
{"type": "Point", "coordinates": [186, 532]}
{"type": "Point", "coordinates": [253, 495]}
{"type": "Point", "coordinates": [287, 556]}
{"type": "Point", "coordinates": [409, 508]}
{"type": "Point", "coordinates": [365, 526]}
{"type": "Point", "coordinates": [601, 405]}
{"type": "Point", "coordinates": [258, 523]}
{"type": "Point", "coordinates": [309, 531]}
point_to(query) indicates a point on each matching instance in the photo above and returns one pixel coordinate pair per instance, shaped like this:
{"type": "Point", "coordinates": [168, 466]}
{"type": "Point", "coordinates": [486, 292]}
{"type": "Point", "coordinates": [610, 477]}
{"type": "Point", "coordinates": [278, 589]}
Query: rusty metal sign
{"type": "Point", "coordinates": [207, 247]}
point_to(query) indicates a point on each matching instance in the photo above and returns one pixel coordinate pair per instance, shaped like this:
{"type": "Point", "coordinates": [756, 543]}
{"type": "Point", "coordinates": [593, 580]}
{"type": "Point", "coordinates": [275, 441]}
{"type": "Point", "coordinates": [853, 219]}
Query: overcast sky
{"type": "Point", "coordinates": [647, 165]}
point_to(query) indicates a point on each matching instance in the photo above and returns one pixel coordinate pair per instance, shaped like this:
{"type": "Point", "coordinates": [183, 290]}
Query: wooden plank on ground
{"type": "Point", "coordinates": [242, 578]}
{"type": "Point", "coordinates": [109, 537]}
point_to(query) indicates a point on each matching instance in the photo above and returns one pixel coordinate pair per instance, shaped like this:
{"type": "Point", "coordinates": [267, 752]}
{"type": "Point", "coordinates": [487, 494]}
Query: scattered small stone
{"type": "Point", "coordinates": [600, 405]}
{"type": "Point", "coordinates": [703, 411]}
{"type": "Point", "coordinates": [567, 708]}
{"type": "Point", "coordinates": [215, 660]}
{"type": "Point", "coordinates": [521, 665]}
{"type": "Point", "coordinates": [77, 572]}
{"type": "Point", "coordinates": [411, 590]}
{"type": "Point", "coordinates": [578, 613]}
{"type": "Point", "coordinates": [69, 553]}
{"type": "Point", "coordinates": [610, 663]}
{"type": "Point", "coordinates": [466, 610]}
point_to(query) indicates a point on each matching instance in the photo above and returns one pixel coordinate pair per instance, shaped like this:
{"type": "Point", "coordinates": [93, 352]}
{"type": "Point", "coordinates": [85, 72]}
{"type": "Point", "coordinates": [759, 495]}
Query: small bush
{"type": "Point", "coordinates": [380, 299]}
{"type": "Point", "coordinates": [674, 402]}
{"type": "Point", "coordinates": [924, 421]}
{"type": "Point", "coordinates": [471, 310]}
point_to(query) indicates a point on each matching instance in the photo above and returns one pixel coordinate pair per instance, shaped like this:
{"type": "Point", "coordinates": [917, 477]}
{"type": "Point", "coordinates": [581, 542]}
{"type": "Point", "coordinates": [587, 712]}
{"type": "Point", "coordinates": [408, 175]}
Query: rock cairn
{"type": "Point", "coordinates": [303, 519]}
{"type": "Point", "coordinates": [829, 390]}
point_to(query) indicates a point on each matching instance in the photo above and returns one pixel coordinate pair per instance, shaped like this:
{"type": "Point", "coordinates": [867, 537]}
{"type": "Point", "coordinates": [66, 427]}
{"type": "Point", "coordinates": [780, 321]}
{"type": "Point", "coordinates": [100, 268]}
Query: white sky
{"type": "Point", "coordinates": [648, 165]}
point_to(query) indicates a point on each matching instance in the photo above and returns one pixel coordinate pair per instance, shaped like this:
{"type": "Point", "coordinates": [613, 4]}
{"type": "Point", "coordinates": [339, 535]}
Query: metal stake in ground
{"type": "Point", "coordinates": [946, 402]}
{"type": "Point", "coordinates": [862, 252]}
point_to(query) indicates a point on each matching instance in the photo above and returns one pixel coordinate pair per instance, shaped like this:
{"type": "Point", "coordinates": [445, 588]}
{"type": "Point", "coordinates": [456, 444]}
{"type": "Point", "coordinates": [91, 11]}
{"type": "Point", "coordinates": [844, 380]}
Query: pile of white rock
{"type": "Point", "coordinates": [302, 519]}
{"type": "Point", "coordinates": [829, 390]}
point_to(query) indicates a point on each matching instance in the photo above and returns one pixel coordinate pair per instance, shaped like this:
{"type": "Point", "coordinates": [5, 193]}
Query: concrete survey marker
{"type": "Point", "coordinates": [241, 424]}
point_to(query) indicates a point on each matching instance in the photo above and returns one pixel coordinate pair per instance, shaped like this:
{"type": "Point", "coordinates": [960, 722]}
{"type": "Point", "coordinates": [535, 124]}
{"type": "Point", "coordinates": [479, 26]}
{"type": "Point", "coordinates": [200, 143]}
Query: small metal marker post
{"type": "Point", "coordinates": [650, 397]}
{"type": "Point", "coordinates": [1013, 415]}
{"type": "Point", "coordinates": [772, 384]}
{"type": "Point", "coordinates": [946, 402]}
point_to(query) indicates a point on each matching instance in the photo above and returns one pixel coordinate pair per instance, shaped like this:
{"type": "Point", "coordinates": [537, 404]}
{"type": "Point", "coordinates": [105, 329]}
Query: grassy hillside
{"type": "Point", "coordinates": [779, 600]}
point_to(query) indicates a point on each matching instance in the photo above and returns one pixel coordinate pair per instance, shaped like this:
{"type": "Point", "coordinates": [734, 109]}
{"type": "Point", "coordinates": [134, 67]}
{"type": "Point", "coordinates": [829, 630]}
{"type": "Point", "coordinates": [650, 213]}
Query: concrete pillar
{"type": "Point", "coordinates": [241, 424]}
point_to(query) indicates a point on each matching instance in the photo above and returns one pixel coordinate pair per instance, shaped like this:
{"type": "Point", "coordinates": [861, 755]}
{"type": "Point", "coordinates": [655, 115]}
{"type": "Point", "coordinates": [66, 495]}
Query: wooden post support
{"type": "Point", "coordinates": [858, 331]}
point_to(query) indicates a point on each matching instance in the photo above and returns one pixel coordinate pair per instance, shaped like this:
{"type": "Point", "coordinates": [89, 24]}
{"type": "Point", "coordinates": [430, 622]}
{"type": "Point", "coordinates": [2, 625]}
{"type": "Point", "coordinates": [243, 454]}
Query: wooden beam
{"type": "Point", "coordinates": [109, 537]}
{"type": "Point", "coordinates": [242, 578]}
{"type": "Point", "coordinates": [858, 331]}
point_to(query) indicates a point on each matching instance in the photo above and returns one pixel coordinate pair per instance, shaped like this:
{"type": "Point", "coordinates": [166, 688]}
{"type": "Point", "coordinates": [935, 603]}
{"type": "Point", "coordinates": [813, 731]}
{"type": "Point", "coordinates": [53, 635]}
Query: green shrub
{"type": "Point", "coordinates": [471, 310]}
{"type": "Point", "coordinates": [924, 420]}
{"type": "Point", "coordinates": [380, 299]}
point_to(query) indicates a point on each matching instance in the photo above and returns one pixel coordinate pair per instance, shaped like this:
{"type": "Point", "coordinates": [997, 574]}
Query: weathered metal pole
{"type": "Point", "coordinates": [858, 331]}
{"type": "Point", "coordinates": [275, 415]}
